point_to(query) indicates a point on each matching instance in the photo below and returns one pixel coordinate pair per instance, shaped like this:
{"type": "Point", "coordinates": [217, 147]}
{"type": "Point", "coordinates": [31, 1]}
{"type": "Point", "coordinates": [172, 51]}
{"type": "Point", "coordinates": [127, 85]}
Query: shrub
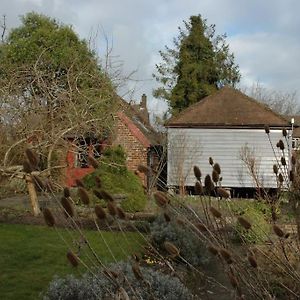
{"type": "Point", "coordinates": [191, 247]}
{"type": "Point", "coordinates": [154, 286]}
{"type": "Point", "coordinates": [117, 179]}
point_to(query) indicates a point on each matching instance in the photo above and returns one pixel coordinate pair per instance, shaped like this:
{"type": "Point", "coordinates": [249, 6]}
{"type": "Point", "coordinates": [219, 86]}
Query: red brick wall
{"type": "Point", "coordinates": [135, 151]}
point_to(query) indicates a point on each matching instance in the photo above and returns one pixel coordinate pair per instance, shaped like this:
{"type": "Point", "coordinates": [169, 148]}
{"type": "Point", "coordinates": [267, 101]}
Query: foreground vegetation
{"type": "Point", "coordinates": [31, 255]}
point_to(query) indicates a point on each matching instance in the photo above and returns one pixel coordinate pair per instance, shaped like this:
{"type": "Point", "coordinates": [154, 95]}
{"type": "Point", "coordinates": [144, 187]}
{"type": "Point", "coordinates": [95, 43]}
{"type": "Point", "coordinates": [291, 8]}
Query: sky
{"type": "Point", "coordinates": [263, 35]}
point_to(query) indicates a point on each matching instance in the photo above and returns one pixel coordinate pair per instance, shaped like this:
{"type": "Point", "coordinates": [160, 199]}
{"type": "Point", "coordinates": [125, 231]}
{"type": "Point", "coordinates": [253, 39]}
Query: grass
{"type": "Point", "coordinates": [31, 255]}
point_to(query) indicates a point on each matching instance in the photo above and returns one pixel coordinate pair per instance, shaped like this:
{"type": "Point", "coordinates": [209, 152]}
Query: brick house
{"type": "Point", "coordinates": [132, 131]}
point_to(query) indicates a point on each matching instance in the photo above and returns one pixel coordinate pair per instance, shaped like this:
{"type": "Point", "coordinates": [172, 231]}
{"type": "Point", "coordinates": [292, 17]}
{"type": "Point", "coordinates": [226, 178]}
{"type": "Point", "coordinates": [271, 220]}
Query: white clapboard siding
{"type": "Point", "coordinates": [193, 146]}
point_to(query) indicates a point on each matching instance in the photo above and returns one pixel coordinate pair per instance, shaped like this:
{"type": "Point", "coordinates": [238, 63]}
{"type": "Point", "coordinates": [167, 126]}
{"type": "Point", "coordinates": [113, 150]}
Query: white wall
{"type": "Point", "coordinates": [193, 146]}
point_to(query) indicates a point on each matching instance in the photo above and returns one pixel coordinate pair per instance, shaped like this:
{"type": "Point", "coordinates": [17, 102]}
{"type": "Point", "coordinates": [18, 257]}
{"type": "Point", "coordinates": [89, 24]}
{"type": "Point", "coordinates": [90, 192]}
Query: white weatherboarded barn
{"type": "Point", "coordinates": [229, 127]}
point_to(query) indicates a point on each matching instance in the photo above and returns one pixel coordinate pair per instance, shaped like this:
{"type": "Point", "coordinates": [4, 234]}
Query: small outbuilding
{"type": "Point", "coordinates": [229, 127]}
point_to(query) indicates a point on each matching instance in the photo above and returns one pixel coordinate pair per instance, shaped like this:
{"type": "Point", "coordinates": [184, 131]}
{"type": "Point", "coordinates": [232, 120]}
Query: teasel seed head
{"type": "Point", "coordinates": [217, 214]}
{"type": "Point", "coordinates": [27, 168]}
{"type": "Point", "coordinates": [167, 217]}
{"type": "Point", "coordinates": [197, 173]}
{"type": "Point", "coordinates": [283, 162]}
{"type": "Point", "coordinates": [49, 187]}
{"type": "Point", "coordinates": [292, 175]}
{"type": "Point", "coordinates": [213, 250]}
{"type": "Point", "coordinates": [198, 188]}
{"type": "Point", "coordinates": [223, 193]}
{"type": "Point", "coordinates": [281, 144]}
{"type": "Point", "coordinates": [48, 216]}
{"type": "Point", "coordinates": [106, 196]}
{"type": "Point", "coordinates": [83, 195]}
{"type": "Point", "coordinates": [160, 199]}
{"type": "Point", "coordinates": [252, 261]}
{"type": "Point", "coordinates": [143, 169]}
{"type": "Point", "coordinates": [68, 207]}
{"type": "Point", "coordinates": [284, 132]}
{"type": "Point", "coordinates": [137, 271]}
{"type": "Point", "coordinates": [93, 162]}
{"type": "Point", "coordinates": [233, 281]}
{"type": "Point", "coordinates": [211, 161]}
{"type": "Point", "coordinates": [209, 186]}
{"type": "Point", "coordinates": [32, 158]}
{"type": "Point", "coordinates": [287, 235]}
{"type": "Point", "coordinates": [215, 176]}
{"type": "Point", "coordinates": [171, 249]}
{"type": "Point", "coordinates": [100, 212]}
{"type": "Point", "coordinates": [226, 255]}
{"type": "Point", "coordinates": [121, 213]}
{"type": "Point", "coordinates": [267, 129]}
{"type": "Point", "coordinates": [278, 231]}
{"type": "Point", "coordinates": [67, 193]}
{"type": "Point", "coordinates": [275, 169]}
{"type": "Point", "coordinates": [73, 259]}
{"type": "Point", "coordinates": [293, 160]}
{"type": "Point", "coordinates": [111, 207]}
{"type": "Point", "coordinates": [244, 223]}
{"type": "Point", "coordinates": [277, 144]}
{"type": "Point", "coordinates": [79, 183]}
{"type": "Point", "coordinates": [280, 178]}
{"type": "Point", "coordinates": [201, 227]}
{"type": "Point", "coordinates": [98, 182]}
{"type": "Point", "coordinates": [217, 168]}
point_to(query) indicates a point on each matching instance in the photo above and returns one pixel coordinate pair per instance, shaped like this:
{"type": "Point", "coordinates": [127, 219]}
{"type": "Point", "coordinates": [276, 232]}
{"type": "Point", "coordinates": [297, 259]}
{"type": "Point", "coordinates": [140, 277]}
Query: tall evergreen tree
{"type": "Point", "coordinates": [197, 66]}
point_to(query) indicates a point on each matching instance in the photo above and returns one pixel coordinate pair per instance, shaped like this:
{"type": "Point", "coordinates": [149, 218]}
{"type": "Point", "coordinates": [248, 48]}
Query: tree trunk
{"type": "Point", "coordinates": [32, 196]}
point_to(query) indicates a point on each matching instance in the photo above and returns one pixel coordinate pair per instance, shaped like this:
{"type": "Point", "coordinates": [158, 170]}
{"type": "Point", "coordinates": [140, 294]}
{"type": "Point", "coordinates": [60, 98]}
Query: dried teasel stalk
{"type": "Point", "coordinates": [278, 231]}
{"type": "Point", "coordinates": [100, 212]}
{"type": "Point", "coordinates": [197, 173]}
{"type": "Point", "coordinates": [39, 184]}
{"type": "Point", "coordinates": [244, 223]}
{"type": "Point", "coordinates": [223, 193]}
{"type": "Point", "coordinates": [32, 158]}
{"type": "Point", "coordinates": [267, 129]}
{"type": "Point", "coordinates": [217, 214]}
{"type": "Point", "coordinates": [83, 195]}
{"type": "Point", "coordinates": [171, 249]}
{"type": "Point", "coordinates": [68, 207]}
{"type": "Point", "coordinates": [160, 199]}
{"type": "Point", "coordinates": [73, 259]}
{"type": "Point", "coordinates": [48, 216]}
{"type": "Point", "coordinates": [122, 294]}
{"type": "Point", "coordinates": [201, 227]}
{"type": "Point", "coordinates": [198, 188]}
{"type": "Point", "coordinates": [93, 162]}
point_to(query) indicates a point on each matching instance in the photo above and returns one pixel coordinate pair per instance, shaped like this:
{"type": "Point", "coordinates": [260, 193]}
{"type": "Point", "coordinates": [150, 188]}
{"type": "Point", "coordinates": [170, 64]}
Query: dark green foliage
{"type": "Point", "coordinates": [191, 247]}
{"type": "Point", "coordinates": [196, 67]}
{"type": "Point", "coordinates": [99, 287]}
{"type": "Point", "coordinates": [117, 179]}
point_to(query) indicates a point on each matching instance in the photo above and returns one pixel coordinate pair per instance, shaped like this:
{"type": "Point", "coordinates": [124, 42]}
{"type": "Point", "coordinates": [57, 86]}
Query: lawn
{"type": "Point", "coordinates": [31, 255]}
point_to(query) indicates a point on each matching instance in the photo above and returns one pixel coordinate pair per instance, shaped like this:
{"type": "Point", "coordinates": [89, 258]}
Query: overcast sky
{"type": "Point", "coordinates": [263, 35]}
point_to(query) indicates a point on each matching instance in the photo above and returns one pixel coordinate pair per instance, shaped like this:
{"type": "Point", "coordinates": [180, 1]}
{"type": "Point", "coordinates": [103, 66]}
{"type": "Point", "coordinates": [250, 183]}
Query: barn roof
{"type": "Point", "coordinates": [227, 108]}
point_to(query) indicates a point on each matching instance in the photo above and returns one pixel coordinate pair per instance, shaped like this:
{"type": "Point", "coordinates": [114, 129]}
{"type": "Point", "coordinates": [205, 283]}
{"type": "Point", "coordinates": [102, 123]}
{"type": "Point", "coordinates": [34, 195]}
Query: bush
{"type": "Point", "coordinates": [191, 247]}
{"type": "Point", "coordinates": [117, 179]}
{"type": "Point", "coordinates": [155, 286]}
